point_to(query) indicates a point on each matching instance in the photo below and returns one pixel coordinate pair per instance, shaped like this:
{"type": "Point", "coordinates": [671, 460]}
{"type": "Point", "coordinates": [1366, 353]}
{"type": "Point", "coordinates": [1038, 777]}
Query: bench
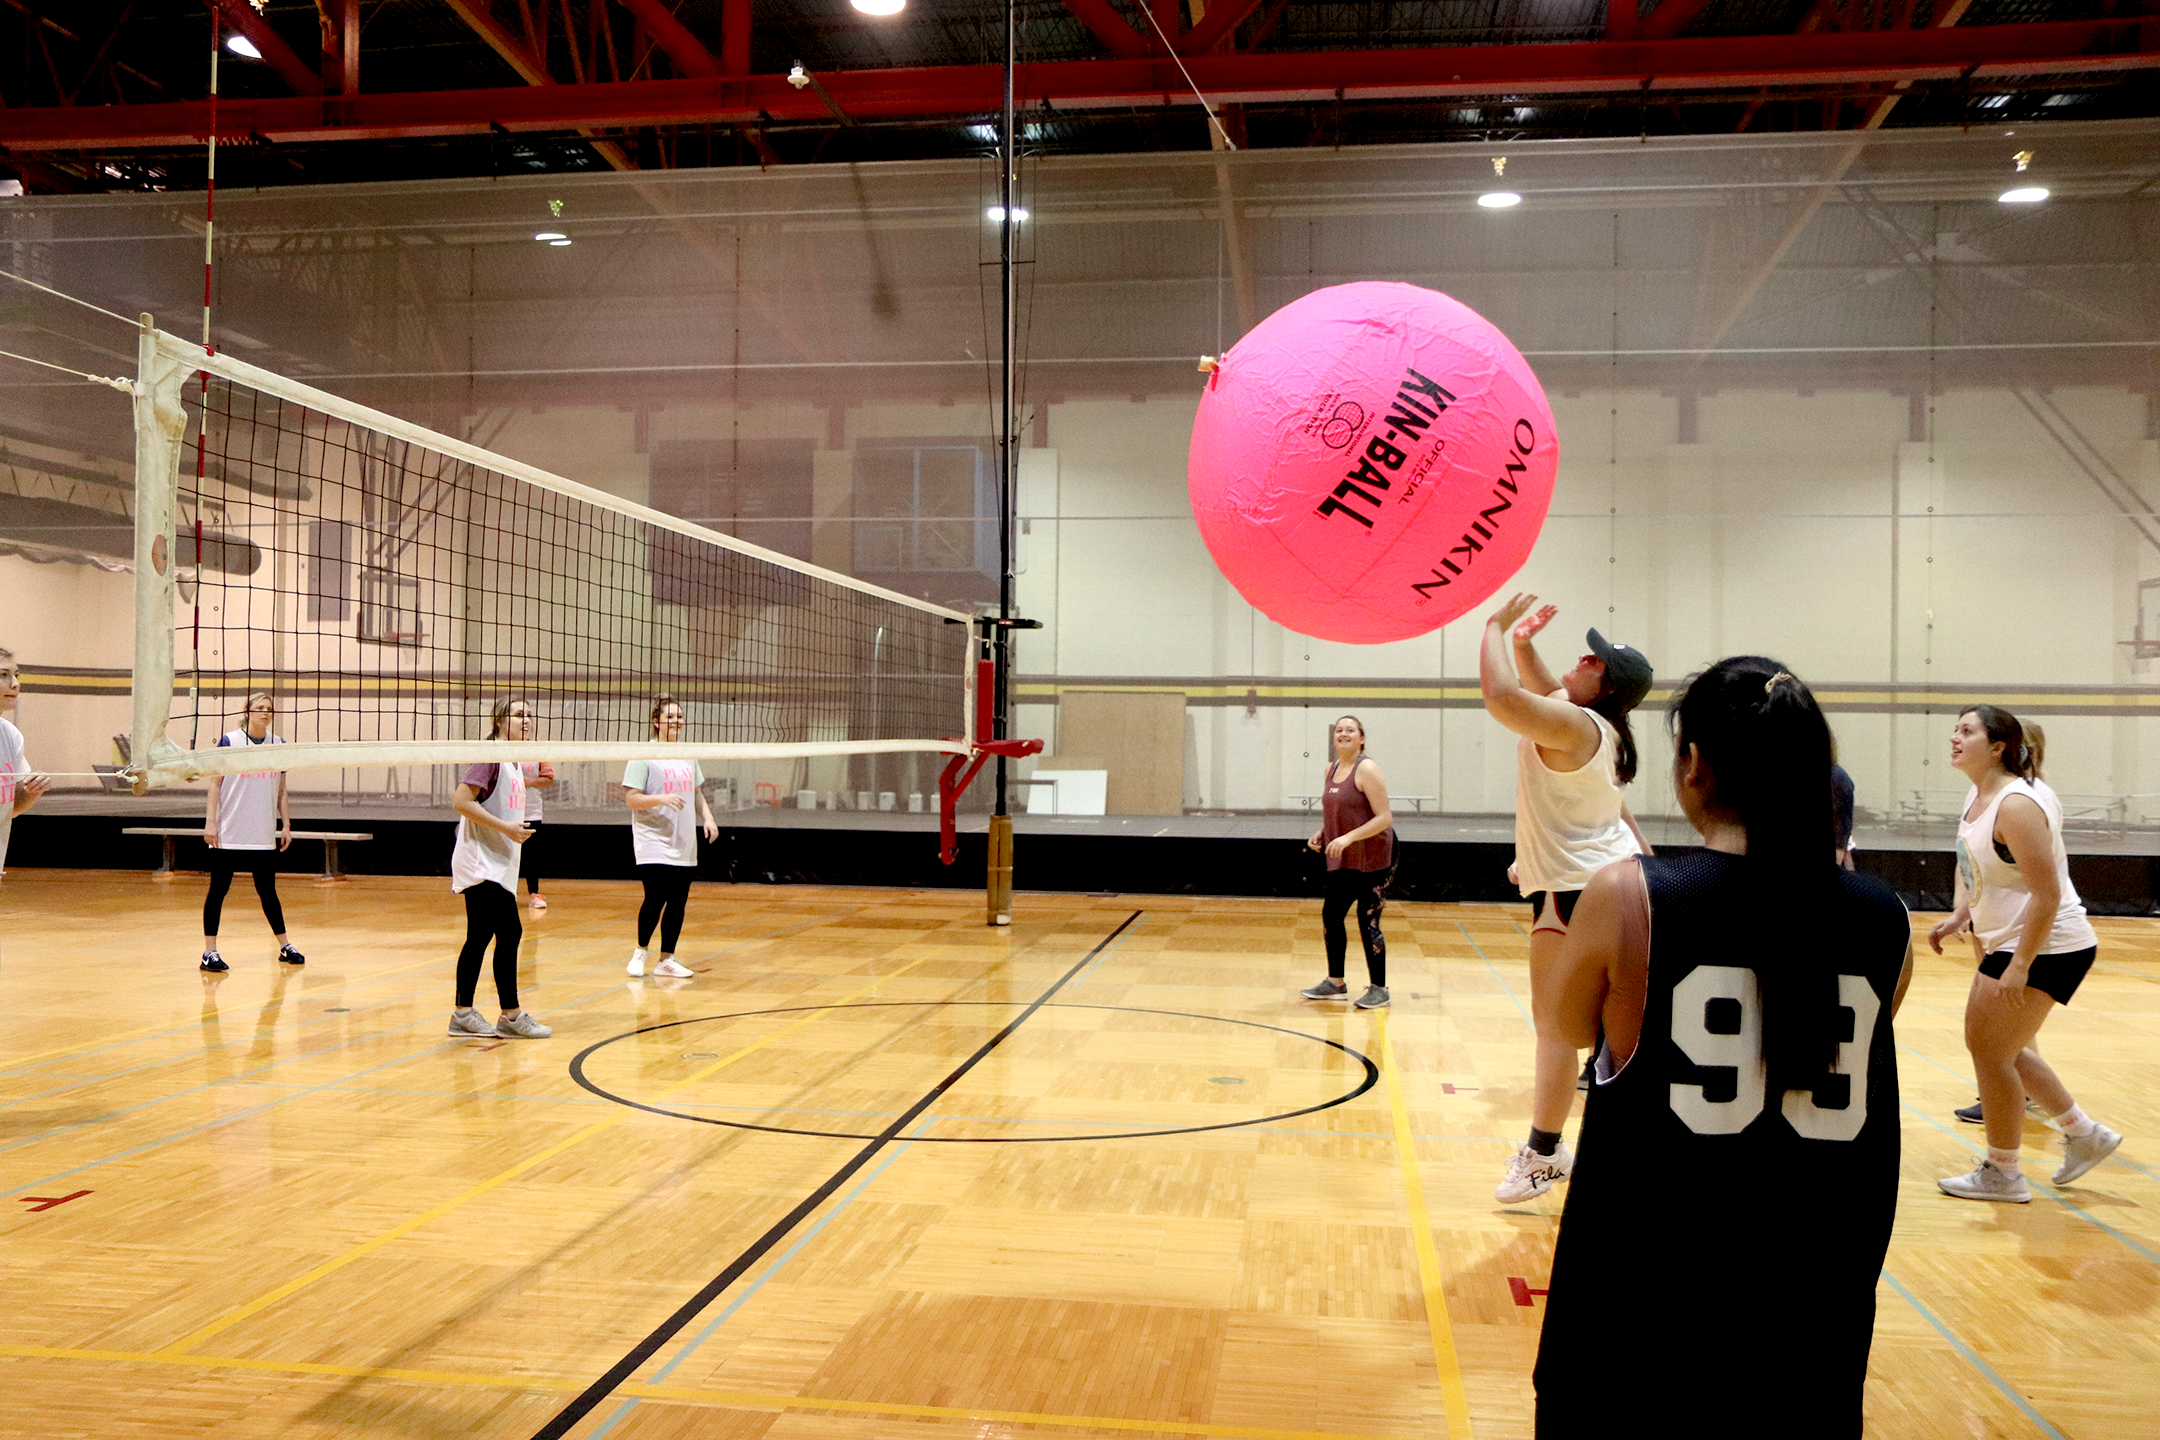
{"type": "Point", "coordinates": [331, 870]}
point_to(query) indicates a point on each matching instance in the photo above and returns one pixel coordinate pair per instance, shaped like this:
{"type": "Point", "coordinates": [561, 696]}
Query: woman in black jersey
{"type": "Point", "coordinates": [1733, 1195]}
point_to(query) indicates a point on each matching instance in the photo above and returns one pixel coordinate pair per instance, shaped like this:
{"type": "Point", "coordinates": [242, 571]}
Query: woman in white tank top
{"type": "Point", "coordinates": [1574, 758]}
{"type": "Point", "coordinates": [2034, 946]}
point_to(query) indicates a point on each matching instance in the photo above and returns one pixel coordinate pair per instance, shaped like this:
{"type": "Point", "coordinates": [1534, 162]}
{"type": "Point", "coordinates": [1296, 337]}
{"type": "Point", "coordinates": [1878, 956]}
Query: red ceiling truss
{"type": "Point", "coordinates": [1648, 65]}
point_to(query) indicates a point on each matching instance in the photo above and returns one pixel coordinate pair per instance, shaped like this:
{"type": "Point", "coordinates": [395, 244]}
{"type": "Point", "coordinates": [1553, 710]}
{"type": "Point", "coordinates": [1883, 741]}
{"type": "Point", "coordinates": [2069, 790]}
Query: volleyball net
{"type": "Point", "coordinates": [387, 585]}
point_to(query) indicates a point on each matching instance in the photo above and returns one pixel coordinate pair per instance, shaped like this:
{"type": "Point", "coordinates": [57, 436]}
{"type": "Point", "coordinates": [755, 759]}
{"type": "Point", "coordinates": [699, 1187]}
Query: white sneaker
{"type": "Point", "coordinates": [468, 1022]}
{"type": "Point", "coordinates": [1530, 1174]}
{"type": "Point", "coordinates": [671, 970]}
{"type": "Point", "coordinates": [637, 961]}
{"type": "Point", "coordinates": [1987, 1182]}
{"type": "Point", "coordinates": [522, 1026]}
{"type": "Point", "coordinates": [2081, 1155]}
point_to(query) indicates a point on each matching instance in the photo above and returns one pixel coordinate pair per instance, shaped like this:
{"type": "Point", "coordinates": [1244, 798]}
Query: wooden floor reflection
{"type": "Point", "coordinates": [1170, 1199]}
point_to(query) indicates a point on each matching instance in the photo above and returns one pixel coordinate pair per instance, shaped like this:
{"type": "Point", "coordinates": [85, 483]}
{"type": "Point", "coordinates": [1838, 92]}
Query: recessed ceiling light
{"type": "Point", "coordinates": [879, 7]}
{"type": "Point", "coordinates": [997, 213]}
{"type": "Point", "coordinates": [551, 235]}
{"type": "Point", "coordinates": [2024, 195]}
{"type": "Point", "coordinates": [558, 244]}
{"type": "Point", "coordinates": [1499, 199]}
{"type": "Point", "coordinates": [242, 46]}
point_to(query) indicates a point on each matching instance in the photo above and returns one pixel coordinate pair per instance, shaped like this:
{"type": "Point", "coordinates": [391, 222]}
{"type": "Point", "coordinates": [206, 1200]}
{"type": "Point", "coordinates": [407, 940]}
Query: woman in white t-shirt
{"type": "Point", "coordinates": [247, 821]}
{"type": "Point", "coordinates": [19, 788]}
{"type": "Point", "coordinates": [2034, 945]}
{"type": "Point", "coordinates": [1574, 760]}
{"type": "Point", "coordinates": [663, 838]}
{"type": "Point", "coordinates": [491, 834]}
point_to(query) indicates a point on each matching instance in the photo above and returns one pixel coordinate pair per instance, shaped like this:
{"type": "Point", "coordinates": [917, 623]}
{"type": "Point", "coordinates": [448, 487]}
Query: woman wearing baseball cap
{"type": "Point", "coordinates": [1573, 763]}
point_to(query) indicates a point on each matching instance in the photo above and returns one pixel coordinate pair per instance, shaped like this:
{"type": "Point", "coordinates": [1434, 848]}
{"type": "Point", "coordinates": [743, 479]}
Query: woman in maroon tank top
{"type": "Point", "coordinates": [1357, 834]}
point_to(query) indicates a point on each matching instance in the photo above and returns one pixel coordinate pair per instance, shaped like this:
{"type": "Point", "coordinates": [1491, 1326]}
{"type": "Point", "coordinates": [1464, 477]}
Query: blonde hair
{"type": "Point", "coordinates": [247, 707]}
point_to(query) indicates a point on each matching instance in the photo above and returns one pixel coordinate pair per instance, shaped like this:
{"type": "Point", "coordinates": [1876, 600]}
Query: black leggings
{"type": "Point", "coordinates": [527, 869]}
{"type": "Point", "coordinates": [1367, 889]}
{"type": "Point", "coordinates": [491, 913]}
{"type": "Point", "coordinates": [667, 892]}
{"type": "Point", "coordinates": [262, 864]}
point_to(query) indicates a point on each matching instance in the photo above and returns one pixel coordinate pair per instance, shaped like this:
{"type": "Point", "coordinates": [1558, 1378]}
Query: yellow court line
{"type": "Point", "coordinates": [728, 1399]}
{"type": "Point", "coordinates": [1428, 1255]}
{"type": "Point", "coordinates": [405, 1227]}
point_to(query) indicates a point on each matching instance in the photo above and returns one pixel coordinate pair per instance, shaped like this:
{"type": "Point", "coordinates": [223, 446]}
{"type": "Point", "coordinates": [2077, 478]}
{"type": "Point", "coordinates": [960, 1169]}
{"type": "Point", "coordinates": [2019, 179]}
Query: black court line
{"type": "Point", "coordinates": [645, 1349]}
{"type": "Point", "coordinates": [1372, 1076]}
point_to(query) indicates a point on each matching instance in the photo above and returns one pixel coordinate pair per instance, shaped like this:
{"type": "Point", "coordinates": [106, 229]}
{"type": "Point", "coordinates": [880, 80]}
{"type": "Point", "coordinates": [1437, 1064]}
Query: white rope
{"type": "Point", "coordinates": [125, 387]}
{"type": "Point", "coordinates": [1228, 143]}
{"type": "Point", "coordinates": [62, 294]}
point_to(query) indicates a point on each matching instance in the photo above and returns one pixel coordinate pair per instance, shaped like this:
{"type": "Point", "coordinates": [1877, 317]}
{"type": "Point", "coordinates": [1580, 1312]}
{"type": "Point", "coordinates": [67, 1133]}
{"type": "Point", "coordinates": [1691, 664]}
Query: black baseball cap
{"type": "Point", "coordinates": [1627, 670]}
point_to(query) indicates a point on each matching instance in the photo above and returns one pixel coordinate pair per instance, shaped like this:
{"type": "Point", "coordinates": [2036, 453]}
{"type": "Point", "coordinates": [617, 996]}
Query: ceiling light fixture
{"type": "Point", "coordinates": [558, 244]}
{"type": "Point", "coordinates": [242, 46]}
{"type": "Point", "coordinates": [879, 7]}
{"type": "Point", "coordinates": [997, 213]}
{"type": "Point", "coordinates": [2024, 195]}
{"type": "Point", "coordinates": [1499, 199]}
{"type": "Point", "coordinates": [551, 236]}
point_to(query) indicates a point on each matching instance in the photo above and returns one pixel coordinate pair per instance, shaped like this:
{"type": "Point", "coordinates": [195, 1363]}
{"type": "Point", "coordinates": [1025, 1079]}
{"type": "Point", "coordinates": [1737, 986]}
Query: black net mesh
{"type": "Point", "coordinates": [385, 592]}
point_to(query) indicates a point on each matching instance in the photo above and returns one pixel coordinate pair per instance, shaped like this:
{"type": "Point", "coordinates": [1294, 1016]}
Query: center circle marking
{"type": "Point", "coordinates": [577, 1073]}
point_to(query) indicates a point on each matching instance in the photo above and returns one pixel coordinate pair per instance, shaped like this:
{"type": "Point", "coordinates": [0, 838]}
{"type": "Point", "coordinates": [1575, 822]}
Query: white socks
{"type": "Point", "coordinates": [2075, 1123]}
{"type": "Point", "coordinates": [2005, 1161]}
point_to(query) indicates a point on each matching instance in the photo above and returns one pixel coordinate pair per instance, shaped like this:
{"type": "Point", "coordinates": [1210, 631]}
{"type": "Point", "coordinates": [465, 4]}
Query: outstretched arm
{"type": "Point", "coordinates": [1535, 677]}
{"type": "Point", "coordinates": [1553, 724]}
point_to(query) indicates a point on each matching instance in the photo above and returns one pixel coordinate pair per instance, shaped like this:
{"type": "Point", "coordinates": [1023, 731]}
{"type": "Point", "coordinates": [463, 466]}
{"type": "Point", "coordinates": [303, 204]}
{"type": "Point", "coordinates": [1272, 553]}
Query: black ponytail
{"type": "Point", "coordinates": [1624, 762]}
{"type": "Point", "coordinates": [1768, 749]}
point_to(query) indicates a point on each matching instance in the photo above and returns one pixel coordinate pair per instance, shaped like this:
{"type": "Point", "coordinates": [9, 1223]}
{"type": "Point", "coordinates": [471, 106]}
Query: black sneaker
{"type": "Point", "coordinates": [214, 962]}
{"type": "Point", "coordinates": [289, 956]}
{"type": "Point", "coordinates": [1971, 1114]}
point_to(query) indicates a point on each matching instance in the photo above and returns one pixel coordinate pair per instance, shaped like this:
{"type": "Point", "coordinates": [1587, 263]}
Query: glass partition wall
{"type": "Point", "coordinates": [1824, 397]}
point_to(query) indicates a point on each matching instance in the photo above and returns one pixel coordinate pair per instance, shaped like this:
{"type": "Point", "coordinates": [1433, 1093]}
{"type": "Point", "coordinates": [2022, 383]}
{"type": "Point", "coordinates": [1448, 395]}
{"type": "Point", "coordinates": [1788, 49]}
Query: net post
{"type": "Point", "coordinates": [160, 427]}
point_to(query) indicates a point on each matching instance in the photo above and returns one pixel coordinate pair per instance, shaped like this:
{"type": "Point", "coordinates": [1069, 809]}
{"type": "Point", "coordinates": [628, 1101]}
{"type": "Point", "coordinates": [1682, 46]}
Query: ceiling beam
{"type": "Point", "coordinates": [477, 15]}
{"type": "Point", "coordinates": [1216, 23]}
{"type": "Point", "coordinates": [1665, 22]}
{"type": "Point", "coordinates": [241, 16]}
{"type": "Point", "coordinates": [673, 37]}
{"type": "Point", "coordinates": [2094, 47]}
{"type": "Point", "coordinates": [1104, 22]}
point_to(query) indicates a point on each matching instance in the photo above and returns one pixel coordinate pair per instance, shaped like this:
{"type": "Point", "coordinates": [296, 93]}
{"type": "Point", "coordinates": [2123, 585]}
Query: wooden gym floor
{"type": "Point", "coordinates": [283, 1203]}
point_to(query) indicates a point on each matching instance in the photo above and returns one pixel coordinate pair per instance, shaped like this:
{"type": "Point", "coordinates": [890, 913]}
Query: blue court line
{"type": "Point", "coordinates": [1973, 1359]}
{"type": "Point", "coordinates": [327, 1085]}
{"type": "Point", "coordinates": [2118, 1156]}
{"type": "Point", "coordinates": [211, 1125]}
{"type": "Point", "coordinates": [623, 1410]}
{"type": "Point", "coordinates": [243, 1076]}
{"type": "Point", "coordinates": [1496, 975]}
{"type": "Point", "coordinates": [237, 1115]}
{"type": "Point", "coordinates": [1081, 978]}
{"type": "Point", "coordinates": [377, 979]}
{"type": "Point", "coordinates": [2049, 1191]}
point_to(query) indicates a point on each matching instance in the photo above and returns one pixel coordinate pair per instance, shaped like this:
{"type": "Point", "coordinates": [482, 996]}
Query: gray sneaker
{"type": "Point", "coordinates": [522, 1026]}
{"type": "Point", "coordinates": [1986, 1182]}
{"type": "Point", "coordinates": [468, 1022]}
{"type": "Point", "coordinates": [1374, 997]}
{"type": "Point", "coordinates": [1329, 989]}
{"type": "Point", "coordinates": [2080, 1156]}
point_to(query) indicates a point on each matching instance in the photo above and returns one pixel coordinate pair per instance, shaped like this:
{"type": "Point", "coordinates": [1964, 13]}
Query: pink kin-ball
{"type": "Point", "coordinates": [1371, 461]}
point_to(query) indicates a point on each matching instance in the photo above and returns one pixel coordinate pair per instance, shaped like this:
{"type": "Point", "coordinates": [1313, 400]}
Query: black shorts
{"type": "Point", "coordinates": [1563, 904]}
{"type": "Point", "coordinates": [2057, 976]}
